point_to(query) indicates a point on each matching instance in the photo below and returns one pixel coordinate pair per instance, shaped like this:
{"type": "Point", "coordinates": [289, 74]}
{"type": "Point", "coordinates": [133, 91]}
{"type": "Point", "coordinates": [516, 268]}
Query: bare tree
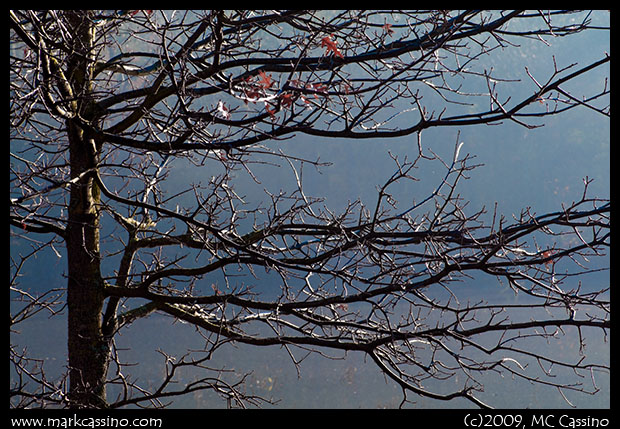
{"type": "Point", "coordinates": [103, 103]}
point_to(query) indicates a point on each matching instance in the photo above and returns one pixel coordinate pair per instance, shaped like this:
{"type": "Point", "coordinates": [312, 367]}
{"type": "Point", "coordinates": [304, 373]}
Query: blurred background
{"type": "Point", "coordinates": [540, 168]}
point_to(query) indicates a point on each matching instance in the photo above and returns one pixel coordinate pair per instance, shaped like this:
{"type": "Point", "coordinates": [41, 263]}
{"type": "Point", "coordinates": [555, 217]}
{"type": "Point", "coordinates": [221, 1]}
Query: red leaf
{"type": "Point", "coordinates": [327, 42]}
{"type": "Point", "coordinates": [547, 254]}
{"type": "Point", "coordinates": [296, 83]}
{"type": "Point", "coordinates": [251, 94]}
{"type": "Point", "coordinates": [265, 80]}
{"type": "Point", "coordinates": [272, 113]}
{"type": "Point", "coordinates": [286, 99]}
{"type": "Point", "coordinates": [388, 29]}
{"type": "Point", "coordinates": [320, 87]}
{"type": "Point", "coordinates": [146, 12]}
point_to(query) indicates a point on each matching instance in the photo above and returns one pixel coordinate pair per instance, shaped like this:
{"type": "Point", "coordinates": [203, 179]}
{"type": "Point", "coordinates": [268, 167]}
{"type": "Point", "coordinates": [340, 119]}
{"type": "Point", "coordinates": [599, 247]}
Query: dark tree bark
{"type": "Point", "coordinates": [88, 349]}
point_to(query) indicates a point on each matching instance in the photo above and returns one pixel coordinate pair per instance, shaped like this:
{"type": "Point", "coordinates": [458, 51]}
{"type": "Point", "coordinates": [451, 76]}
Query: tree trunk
{"type": "Point", "coordinates": [88, 349]}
